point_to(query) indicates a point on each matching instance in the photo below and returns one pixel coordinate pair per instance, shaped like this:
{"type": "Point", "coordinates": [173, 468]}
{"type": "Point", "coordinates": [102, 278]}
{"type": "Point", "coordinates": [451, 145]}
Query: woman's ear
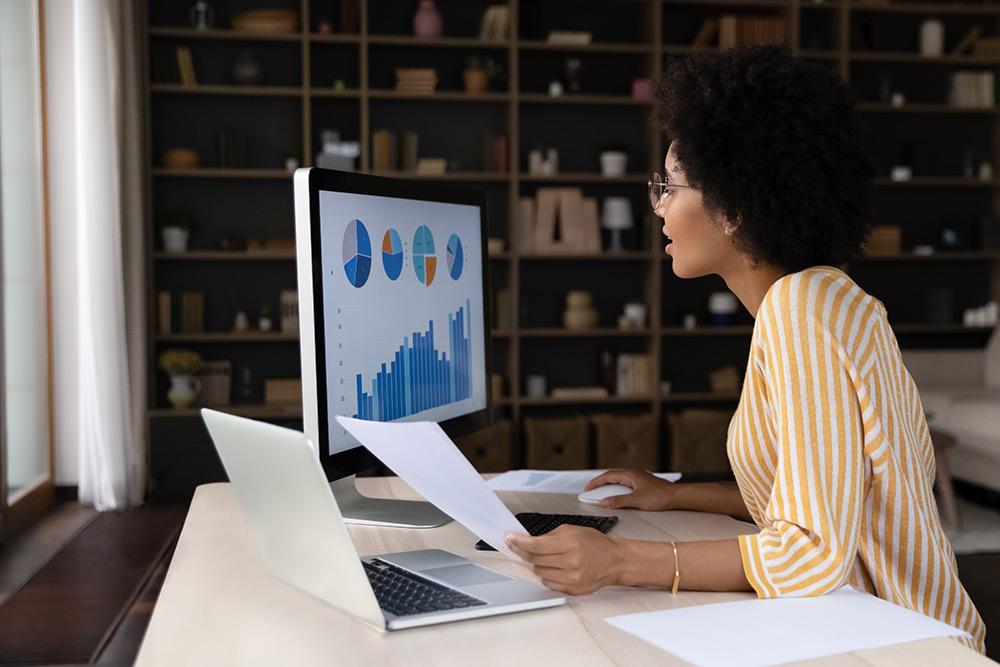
{"type": "Point", "coordinates": [729, 226]}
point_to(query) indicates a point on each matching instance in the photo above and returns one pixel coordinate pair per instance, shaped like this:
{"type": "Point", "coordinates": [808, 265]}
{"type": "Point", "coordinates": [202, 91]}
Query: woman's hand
{"type": "Point", "coordinates": [571, 559]}
{"type": "Point", "coordinates": [649, 492]}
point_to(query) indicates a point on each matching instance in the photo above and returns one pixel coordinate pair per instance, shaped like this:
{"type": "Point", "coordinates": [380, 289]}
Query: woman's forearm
{"type": "Point", "coordinates": [713, 565]}
{"type": "Point", "coordinates": [716, 497]}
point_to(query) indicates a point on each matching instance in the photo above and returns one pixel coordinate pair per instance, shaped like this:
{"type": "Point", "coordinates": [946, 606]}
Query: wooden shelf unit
{"type": "Point", "coordinates": [366, 102]}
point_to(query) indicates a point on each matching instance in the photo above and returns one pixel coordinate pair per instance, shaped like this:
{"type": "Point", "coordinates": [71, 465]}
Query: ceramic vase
{"type": "Point", "coordinates": [183, 390]}
{"type": "Point", "coordinates": [427, 20]}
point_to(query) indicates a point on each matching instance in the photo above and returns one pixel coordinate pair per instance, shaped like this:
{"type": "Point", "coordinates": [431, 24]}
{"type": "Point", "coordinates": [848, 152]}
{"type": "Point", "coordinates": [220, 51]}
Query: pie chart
{"type": "Point", "coordinates": [424, 260]}
{"type": "Point", "coordinates": [455, 257]}
{"type": "Point", "coordinates": [392, 254]}
{"type": "Point", "coordinates": [357, 253]}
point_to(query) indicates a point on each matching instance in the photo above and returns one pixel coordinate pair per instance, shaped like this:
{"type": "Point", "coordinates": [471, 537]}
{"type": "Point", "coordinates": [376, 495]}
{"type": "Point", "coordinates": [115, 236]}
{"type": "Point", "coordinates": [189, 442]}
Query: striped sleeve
{"type": "Point", "coordinates": [811, 524]}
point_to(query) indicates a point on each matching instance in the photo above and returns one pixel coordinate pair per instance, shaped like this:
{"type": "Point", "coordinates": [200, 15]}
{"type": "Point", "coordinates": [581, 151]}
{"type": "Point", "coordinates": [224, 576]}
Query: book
{"type": "Point", "coordinates": [574, 37]}
{"type": "Point", "coordinates": [495, 24]}
{"type": "Point", "coordinates": [968, 40]}
{"type": "Point", "coordinates": [164, 310]}
{"type": "Point", "coordinates": [727, 32]}
{"type": "Point", "coordinates": [432, 165]}
{"type": "Point", "coordinates": [384, 150]}
{"type": "Point", "coordinates": [706, 33]}
{"type": "Point", "coordinates": [526, 224]}
{"type": "Point", "coordinates": [409, 151]}
{"type": "Point", "coordinates": [192, 312]}
{"type": "Point", "coordinates": [186, 67]}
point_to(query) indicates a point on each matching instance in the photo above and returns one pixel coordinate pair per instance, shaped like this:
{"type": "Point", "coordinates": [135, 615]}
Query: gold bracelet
{"type": "Point", "coordinates": [677, 569]}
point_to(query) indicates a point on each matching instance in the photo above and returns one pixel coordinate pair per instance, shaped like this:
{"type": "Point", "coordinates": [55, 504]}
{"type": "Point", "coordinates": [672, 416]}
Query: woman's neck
{"type": "Point", "coordinates": [750, 283]}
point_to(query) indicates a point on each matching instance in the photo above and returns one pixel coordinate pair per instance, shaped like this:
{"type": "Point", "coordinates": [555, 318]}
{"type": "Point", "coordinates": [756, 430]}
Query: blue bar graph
{"type": "Point", "coordinates": [419, 376]}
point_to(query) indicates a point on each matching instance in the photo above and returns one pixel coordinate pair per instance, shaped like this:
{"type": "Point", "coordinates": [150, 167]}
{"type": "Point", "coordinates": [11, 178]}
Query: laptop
{"type": "Point", "coordinates": [297, 525]}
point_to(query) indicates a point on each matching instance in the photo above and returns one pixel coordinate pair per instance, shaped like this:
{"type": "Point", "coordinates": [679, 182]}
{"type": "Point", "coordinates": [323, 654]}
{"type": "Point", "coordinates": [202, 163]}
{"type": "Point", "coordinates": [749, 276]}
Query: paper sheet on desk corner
{"type": "Point", "coordinates": [776, 631]}
{"type": "Point", "coordinates": [426, 459]}
{"type": "Point", "coordinates": [554, 481]}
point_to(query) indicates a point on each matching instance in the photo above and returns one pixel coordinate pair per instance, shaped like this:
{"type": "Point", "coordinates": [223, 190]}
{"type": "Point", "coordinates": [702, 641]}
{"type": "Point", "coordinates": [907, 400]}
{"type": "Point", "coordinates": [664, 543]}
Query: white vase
{"type": "Point", "coordinates": [183, 390]}
{"type": "Point", "coordinates": [175, 239]}
{"type": "Point", "coordinates": [613, 163]}
{"type": "Point", "coordinates": [931, 38]}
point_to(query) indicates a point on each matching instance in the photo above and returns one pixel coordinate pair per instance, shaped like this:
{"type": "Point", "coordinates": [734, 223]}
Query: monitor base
{"type": "Point", "coordinates": [359, 509]}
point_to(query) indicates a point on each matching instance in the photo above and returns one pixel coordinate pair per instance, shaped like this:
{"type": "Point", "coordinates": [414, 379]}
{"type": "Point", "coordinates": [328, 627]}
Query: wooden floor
{"type": "Point", "coordinates": [26, 555]}
{"type": "Point", "coordinates": [79, 588]}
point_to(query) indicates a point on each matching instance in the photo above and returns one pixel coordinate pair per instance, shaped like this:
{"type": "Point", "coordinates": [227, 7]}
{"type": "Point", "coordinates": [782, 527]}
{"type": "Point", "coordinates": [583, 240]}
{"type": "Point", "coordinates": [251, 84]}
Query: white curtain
{"type": "Point", "coordinates": [97, 228]}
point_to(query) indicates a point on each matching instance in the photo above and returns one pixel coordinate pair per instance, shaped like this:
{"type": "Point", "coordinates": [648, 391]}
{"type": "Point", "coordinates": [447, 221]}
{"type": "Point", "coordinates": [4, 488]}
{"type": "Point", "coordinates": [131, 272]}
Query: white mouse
{"type": "Point", "coordinates": [595, 496]}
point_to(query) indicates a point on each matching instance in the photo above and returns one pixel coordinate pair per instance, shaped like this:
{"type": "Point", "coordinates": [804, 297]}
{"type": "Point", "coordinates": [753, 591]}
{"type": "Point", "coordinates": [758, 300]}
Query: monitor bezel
{"type": "Point", "coordinates": [354, 460]}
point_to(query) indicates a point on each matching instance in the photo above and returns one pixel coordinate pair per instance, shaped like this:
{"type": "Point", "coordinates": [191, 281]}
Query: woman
{"type": "Point", "coordinates": [766, 185]}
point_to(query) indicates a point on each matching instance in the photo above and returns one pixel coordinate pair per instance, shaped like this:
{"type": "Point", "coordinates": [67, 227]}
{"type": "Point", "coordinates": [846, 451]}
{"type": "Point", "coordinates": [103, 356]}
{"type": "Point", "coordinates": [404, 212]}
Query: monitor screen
{"type": "Point", "coordinates": [402, 300]}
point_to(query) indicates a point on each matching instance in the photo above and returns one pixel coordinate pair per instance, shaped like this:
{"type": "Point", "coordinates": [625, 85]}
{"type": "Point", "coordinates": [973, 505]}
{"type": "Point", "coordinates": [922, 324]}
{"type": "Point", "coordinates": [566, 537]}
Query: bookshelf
{"type": "Point", "coordinates": [295, 99]}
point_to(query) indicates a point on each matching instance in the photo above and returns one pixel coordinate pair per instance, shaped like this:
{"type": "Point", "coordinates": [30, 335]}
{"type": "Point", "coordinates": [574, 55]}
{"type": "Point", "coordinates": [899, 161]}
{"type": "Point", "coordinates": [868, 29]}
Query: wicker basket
{"type": "Point", "coordinates": [558, 443]}
{"type": "Point", "coordinates": [216, 380]}
{"type": "Point", "coordinates": [488, 450]}
{"type": "Point", "coordinates": [626, 441]}
{"type": "Point", "coordinates": [698, 441]}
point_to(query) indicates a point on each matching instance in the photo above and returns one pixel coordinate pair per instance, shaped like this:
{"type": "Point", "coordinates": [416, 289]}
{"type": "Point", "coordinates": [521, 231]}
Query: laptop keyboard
{"type": "Point", "coordinates": [537, 523]}
{"type": "Point", "coordinates": [404, 594]}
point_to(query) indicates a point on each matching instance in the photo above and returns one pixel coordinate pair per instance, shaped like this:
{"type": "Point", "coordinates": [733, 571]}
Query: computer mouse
{"type": "Point", "coordinates": [595, 496]}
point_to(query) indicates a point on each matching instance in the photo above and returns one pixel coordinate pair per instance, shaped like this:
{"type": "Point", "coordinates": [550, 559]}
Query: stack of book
{"type": "Point", "coordinates": [746, 30]}
{"type": "Point", "coordinates": [986, 46]}
{"type": "Point", "coordinates": [972, 89]}
{"type": "Point", "coordinates": [635, 375]}
{"type": "Point", "coordinates": [181, 313]}
{"type": "Point", "coordinates": [282, 391]}
{"type": "Point", "coordinates": [416, 80]}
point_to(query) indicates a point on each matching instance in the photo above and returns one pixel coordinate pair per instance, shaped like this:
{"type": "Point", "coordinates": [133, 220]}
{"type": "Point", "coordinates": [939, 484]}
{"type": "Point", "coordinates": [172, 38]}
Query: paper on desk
{"type": "Point", "coordinates": [552, 481]}
{"type": "Point", "coordinates": [775, 631]}
{"type": "Point", "coordinates": [426, 459]}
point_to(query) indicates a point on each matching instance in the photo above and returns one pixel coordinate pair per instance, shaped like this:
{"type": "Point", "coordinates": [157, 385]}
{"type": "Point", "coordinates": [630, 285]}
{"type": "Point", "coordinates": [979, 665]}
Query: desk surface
{"type": "Point", "coordinates": [219, 605]}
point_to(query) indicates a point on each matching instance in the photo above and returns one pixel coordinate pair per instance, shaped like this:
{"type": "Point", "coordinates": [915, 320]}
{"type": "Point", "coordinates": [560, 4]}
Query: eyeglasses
{"type": "Point", "coordinates": [659, 187]}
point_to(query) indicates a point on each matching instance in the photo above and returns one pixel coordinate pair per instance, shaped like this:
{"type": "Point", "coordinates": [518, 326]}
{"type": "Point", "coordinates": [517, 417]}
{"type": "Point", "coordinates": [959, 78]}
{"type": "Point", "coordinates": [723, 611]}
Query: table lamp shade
{"type": "Point", "coordinates": [617, 214]}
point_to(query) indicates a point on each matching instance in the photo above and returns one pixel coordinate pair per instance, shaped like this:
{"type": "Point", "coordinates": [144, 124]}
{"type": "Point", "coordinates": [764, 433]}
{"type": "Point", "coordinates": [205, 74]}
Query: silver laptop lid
{"type": "Point", "coordinates": [292, 512]}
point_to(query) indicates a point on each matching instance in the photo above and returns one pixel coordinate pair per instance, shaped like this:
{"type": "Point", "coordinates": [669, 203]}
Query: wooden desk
{"type": "Point", "coordinates": [219, 605]}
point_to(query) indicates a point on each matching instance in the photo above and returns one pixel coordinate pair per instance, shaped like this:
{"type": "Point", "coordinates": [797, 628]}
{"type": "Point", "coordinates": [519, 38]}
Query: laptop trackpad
{"type": "Point", "coordinates": [465, 575]}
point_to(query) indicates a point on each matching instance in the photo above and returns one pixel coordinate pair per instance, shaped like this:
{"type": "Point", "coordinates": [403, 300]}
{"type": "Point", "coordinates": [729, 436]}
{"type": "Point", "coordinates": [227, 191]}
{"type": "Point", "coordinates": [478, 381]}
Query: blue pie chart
{"type": "Point", "coordinates": [455, 257]}
{"type": "Point", "coordinates": [392, 254]}
{"type": "Point", "coordinates": [424, 259]}
{"type": "Point", "coordinates": [357, 253]}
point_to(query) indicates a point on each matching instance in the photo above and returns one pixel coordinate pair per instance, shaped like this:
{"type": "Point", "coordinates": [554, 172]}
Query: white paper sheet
{"type": "Point", "coordinates": [426, 459]}
{"type": "Point", "coordinates": [554, 481]}
{"type": "Point", "coordinates": [771, 632]}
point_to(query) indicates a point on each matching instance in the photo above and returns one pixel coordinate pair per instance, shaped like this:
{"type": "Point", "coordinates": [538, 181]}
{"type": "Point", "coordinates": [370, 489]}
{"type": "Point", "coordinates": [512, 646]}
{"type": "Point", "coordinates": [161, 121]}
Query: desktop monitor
{"type": "Point", "coordinates": [393, 312]}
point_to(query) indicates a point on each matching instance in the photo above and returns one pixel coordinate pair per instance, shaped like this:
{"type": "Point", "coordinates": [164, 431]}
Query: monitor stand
{"type": "Point", "coordinates": [359, 509]}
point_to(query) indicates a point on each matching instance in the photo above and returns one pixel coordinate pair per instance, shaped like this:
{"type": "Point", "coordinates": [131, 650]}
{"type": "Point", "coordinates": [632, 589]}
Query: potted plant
{"type": "Point", "coordinates": [181, 365]}
{"type": "Point", "coordinates": [478, 73]}
{"type": "Point", "coordinates": [175, 230]}
{"type": "Point", "coordinates": [265, 323]}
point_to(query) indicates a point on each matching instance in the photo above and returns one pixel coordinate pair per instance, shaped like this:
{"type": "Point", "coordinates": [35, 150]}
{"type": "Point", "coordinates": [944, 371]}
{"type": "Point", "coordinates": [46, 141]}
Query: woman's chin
{"type": "Point", "coordinates": [681, 269]}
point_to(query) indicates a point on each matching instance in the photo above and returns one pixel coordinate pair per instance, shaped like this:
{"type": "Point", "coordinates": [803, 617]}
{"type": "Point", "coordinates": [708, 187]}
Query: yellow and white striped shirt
{"type": "Point", "coordinates": [833, 458]}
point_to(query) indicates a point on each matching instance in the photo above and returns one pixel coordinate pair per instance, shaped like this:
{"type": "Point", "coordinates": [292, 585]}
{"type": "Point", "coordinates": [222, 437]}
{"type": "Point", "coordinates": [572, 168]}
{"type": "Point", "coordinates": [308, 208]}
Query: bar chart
{"type": "Point", "coordinates": [421, 375]}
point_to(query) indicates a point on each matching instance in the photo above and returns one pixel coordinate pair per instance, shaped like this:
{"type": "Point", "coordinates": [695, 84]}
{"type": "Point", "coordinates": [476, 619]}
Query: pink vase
{"type": "Point", "coordinates": [427, 20]}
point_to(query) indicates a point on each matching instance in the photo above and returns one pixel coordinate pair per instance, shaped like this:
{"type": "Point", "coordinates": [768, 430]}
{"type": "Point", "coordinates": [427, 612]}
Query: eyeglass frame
{"type": "Point", "coordinates": [657, 180]}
